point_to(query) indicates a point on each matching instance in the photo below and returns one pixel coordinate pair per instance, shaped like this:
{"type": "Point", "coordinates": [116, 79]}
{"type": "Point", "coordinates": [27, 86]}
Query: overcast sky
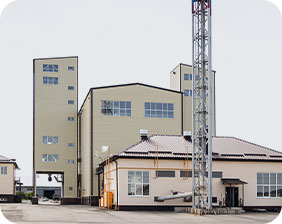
{"type": "Point", "coordinates": [123, 41]}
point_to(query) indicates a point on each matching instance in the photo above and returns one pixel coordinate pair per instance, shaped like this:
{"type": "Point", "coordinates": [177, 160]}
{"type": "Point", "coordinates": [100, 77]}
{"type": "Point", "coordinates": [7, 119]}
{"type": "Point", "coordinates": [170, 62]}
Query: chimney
{"type": "Point", "coordinates": [143, 134]}
{"type": "Point", "coordinates": [187, 135]}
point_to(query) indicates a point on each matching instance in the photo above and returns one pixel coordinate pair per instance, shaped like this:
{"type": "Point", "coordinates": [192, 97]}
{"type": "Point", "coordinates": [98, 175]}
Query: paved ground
{"type": "Point", "coordinates": [27, 213]}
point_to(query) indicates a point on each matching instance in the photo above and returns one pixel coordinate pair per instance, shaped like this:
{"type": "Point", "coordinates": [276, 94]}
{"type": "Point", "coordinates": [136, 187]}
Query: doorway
{"type": "Point", "coordinates": [48, 194]}
{"type": "Point", "coordinates": [231, 197]}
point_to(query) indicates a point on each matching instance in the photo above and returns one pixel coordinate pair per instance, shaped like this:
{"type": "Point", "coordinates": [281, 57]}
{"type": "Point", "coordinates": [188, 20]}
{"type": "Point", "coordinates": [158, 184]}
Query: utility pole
{"type": "Point", "coordinates": [202, 105]}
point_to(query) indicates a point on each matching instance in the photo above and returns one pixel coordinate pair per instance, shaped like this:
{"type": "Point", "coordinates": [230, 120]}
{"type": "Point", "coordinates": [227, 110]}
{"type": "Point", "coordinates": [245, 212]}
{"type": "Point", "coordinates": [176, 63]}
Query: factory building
{"type": "Point", "coordinates": [156, 174]}
{"type": "Point", "coordinates": [55, 122]}
{"type": "Point", "coordinates": [8, 169]}
{"type": "Point", "coordinates": [114, 115]}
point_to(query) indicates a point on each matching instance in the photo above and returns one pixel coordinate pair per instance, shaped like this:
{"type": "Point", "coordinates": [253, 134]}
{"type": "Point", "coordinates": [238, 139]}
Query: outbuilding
{"type": "Point", "coordinates": [147, 174]}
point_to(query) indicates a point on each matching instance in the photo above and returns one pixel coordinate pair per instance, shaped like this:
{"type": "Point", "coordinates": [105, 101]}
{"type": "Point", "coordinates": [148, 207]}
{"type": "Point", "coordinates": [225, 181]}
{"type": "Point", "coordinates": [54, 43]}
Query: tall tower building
{"type": "Point", "coordinates": [55, 121]}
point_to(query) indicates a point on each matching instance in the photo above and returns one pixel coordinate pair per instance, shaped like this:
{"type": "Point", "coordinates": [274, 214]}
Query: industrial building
{"type": "Point", "coordinates": [156, 174]}
{"type": "Point", "coordinates": [8, 169]}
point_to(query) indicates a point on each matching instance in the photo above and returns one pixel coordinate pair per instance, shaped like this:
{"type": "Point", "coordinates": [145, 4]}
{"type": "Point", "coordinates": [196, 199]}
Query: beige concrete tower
{"type": "Point", "coordinates": [181, 80]}
{"type": "Point", "coordinates": [55, 121]}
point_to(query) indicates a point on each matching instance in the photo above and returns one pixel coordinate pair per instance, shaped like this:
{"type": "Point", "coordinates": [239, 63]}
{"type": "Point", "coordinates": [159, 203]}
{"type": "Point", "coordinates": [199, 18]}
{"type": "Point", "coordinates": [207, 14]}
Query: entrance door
{"type": "Point", "coordinates": [49, 194]}
{"type": "Point", "coordinates": [231, 197]}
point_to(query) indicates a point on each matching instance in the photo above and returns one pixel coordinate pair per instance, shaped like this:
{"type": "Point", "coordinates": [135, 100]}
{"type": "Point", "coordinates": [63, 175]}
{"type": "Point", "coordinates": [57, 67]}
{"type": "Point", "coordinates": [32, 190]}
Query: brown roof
{"type": "Point", "coordinates": [224, 148]}
{"type": "Point", "coordinates": [4, 159]}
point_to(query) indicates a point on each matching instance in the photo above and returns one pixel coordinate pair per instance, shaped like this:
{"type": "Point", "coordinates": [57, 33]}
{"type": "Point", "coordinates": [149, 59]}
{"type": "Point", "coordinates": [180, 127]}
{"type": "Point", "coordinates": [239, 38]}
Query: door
{"type": "Point", "coordinates": [231, 197]}
{"type": "Point", "coordinates": [49, 194]}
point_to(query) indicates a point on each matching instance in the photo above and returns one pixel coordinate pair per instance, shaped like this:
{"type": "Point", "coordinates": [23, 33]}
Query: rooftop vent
{"type": "Point", "coordinates": [143, 134]}
{"type": "Point", "coordinates": [187, 135]}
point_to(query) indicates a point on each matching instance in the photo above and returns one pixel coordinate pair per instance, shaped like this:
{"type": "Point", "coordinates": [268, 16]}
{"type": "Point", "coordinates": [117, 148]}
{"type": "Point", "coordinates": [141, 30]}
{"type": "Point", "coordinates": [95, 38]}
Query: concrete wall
{"type": "Point", "coordinates": [7, 186]}
{"type": "Point", "coordinates": [246, 171]}
{"type": "Point", "coordinates": [51, 112]}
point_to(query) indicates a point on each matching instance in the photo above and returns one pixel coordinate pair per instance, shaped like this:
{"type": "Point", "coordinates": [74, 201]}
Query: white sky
{"type": "Point", "coordinates": [123, 41]}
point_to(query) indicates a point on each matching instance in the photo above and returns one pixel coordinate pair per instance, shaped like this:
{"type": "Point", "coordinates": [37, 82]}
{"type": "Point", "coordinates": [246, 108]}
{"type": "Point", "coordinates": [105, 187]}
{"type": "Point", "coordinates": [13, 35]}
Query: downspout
{"type": "Point", "coordinates": [117, 181]}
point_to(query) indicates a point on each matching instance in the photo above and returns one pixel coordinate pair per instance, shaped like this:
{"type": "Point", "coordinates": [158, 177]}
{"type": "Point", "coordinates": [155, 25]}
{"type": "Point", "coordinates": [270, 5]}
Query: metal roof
{"type": "Point", "coordinates": [4, 159]}
{"type": "Point", "coordinates": [224, 148]}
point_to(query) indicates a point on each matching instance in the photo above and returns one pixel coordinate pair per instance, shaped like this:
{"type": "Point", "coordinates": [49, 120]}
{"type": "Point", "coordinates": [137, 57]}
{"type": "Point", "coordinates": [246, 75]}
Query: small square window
{"type": "Point", "coordinates": [71, 68]}
{"type": "Point", "coordinates": [70, 87]}
{"type": "Point", "coordinates": [70, 118]}
{"type": "Point", "coordinates": [70, 188]}
{"type": "Point", "coordinates": [70, 161]}
{"type": "Point", "coordinates": [70, 101]}
{"type": "Point", "coordinates": [70, 144]}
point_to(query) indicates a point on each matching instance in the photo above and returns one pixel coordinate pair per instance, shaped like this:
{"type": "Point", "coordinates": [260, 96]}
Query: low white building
{"type": "Point", "coordinates": [7, 179]}
{"type": "Point", "coordinates": [244, 174]}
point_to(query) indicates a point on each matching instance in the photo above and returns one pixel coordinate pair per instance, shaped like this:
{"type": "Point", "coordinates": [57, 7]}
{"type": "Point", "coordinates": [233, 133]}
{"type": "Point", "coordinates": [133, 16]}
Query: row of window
{"type": "Point", "coordinates": [269, 185]}
{"type": "Point", "coordinates": [189, 77]}
{"type": "Point", "coordinates": [4, 170]}
{"type": "Point", "coordinates": [53, 81]}
{"type": "Point", "coordinates": [53, 158]}
{"type": "Point", "coordinates": [53, 140]}
{"type": "Point", "coordinates": [54, 68]}
{"type": "Point", "coordinates": [123, 109]}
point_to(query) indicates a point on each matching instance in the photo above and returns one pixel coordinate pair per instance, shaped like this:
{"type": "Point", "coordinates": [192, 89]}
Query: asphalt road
{"type": "Point", "coordinates": [27, 213]}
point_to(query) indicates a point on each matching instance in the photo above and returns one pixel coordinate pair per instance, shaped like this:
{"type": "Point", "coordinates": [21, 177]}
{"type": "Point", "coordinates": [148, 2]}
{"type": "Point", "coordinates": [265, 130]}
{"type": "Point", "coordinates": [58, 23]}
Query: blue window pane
{"type": "Point", "coordinates": [45, 68]}
{"type": "Point", "coordinates": [70, 68]}
{"type": "Point", "coordinates": [116, 104]}
{"type": "Point", "coordinates": [128, 113]}
{"type": "Point", "coordinates": [56, 68]}
{"type": "Point", "coordinates": [122, 104]}
{"type": "Point", "coordinates": [45, 80]}
{"type": "Point", "coordinates": [70, 87]}
{"type": "Point", "coordinates": [116, 112]}
{"type": "Point", "coordinates": [170, 106]}
{"type": "Point", "coordinates": [196, 77]}
{"type": "Point", "coordinates": [164, 114]}
{"type": "Point", "coordinates": [147, 113]}
{"type": "Point", "coordinates": [122, 112]}
{"type": "Point", "coordinates": [70, 145]}
{"type": "Point", "coordinates": [186, 77]}
{"type": "Point", "coordinates": [170, 115]}
{"type": "Point", "coordinates": [159, 106]}
{"type": "Point", "coordinates": [164, 106]}
{"type": "Point", "coordinates": [147, 106]}
{"type": "Point", "coordinates": [56, 81]}
{"type": "Point", "coordinates": [153, 106]}
{"type": "Point", "coordinates": [70, 102]}
{"type": "Point", "coordinates": [158, 113]}
{"type": "Point", "coordinates": [128, 105]}
{"type": "Point", "coordinates": [153, 113]}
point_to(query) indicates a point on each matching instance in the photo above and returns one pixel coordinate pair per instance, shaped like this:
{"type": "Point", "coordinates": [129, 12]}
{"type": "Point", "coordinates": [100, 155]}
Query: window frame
{"type": "Point", "coordinates": [113, 108]}
{"type": "Point", "coordinates": [138, 196]}
{"type": "Point", "coordinates": [71, 88]}
{"type": "Point", "coordinates": [50, 68]}
{"type": "Point", "coordinates": [70, 102]}
{"type": "Point", "coordinates": [189, 75]}
{"type": "Point", "coordinates": [52, 155]}
{"type": "Point", "coordinates": [4, 170]}
{"type": "Point", "coordinates": [56, 138]}
{"type": "Point", "coordinates": [269, 185]}
{"type": "Point", "coordinates": [158, 108]}
{"type": "Point", "coordinates": [72, 163]}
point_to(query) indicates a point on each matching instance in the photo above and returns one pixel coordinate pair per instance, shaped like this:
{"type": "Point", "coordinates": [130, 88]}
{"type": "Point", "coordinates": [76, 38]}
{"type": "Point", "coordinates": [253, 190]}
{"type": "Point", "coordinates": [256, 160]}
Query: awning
{"type": "Point", "coordinates": [231, 181]}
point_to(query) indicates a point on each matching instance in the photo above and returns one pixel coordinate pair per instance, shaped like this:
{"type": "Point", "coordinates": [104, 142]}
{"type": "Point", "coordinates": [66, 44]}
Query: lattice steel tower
{"type": "Point", "coordinates": [202, 105]}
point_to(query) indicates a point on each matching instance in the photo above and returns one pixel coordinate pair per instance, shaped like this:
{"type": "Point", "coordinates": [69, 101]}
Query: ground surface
{"type": "Point", "coordinates": [27, 213]}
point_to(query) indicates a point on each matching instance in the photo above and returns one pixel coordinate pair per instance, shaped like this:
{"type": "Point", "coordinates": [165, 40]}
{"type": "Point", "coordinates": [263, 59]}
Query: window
{"type": "Point", "coordinates": [138, 183]}
{"type": "Point", "coordinates": [159, 110]}
{"type": "Point", "coordinates": [70, 118]}
{"type": "Point", "coordinates": [187, 92]}
{"type": "Point", "coordinates": [70, 161]}
{"type": "Point", "coordinates": [50, 80]}
{"type": "Point", "coordinates": [165, 173]}
{"type": "Point", "coordinates": [50, 139]}
{"type": "Point", "coordinates": [70, 101]}
{"type": "Point", "coordinates": [71, 68]}
{"type": "Point", "coordinates": [70, 87]}
{"type": "Point", "coordinates": [185, 173]}
{"type": "Point", "coordinates": [50, 157]}
{"type": "Point", "coordinates": [116, 108]}
{"type": "Point", "coordinates": [50, 68]}
{"type": "Point", "coordinates": [70, 145]}
{"type": "Point", "coordinates": [70, 188]}
{"type": "Point", "coordinates": [269, 185]}
{"type": "Point", "coordinates": [4, 170]}
{"type": "Point", "coordinates": [188, 77]}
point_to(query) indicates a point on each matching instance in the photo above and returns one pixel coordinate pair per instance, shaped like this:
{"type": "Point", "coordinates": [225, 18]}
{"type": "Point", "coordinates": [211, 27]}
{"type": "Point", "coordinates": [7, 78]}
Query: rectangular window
{"type": "Point", "coordinates": [50, 139]}
{"type": "Point", "coordinates": [4, 170]}
{"type": "Point", "coordinates": [70, 161]}
{"type": "Point", "coordinates": [70, 87]}
{"type": "Point", "coordinates": [50, 68]}
{"type": "Point", "coordinates": [138, 183]}
{"type": "Point", "coordinates": [70, 101]}
{"type": "Point", "coordinates": [188, 77]}
{"type": "Point", "coordinates": [116, 108]}
{"type": "Point", "coordinates": [71, 68]}
{"type": "Point", "coordinates": [70, 188]}
{"type": "Point", "coordinates": [165, 173]}
{"type": "Point", "coordinates": [188, 92]}
{"type": "Point", "coordinates": [185, 173]}
{"type": "Point", "coordinates": [269, 185]}
{"type": "Point", "coordinates": [50, 157]}
{"type": "Point", "coordinates": [70, 118]}
{"type": "Point", "coordinates": [50, 80]}
{"type": "Point", "coordinates": [159, 110]}
{"type": "Point", "coordinates": [70, 145]}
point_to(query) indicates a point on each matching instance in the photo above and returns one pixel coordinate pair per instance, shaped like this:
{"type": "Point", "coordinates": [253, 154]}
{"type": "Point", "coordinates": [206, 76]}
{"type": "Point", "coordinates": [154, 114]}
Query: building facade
{"type": "Point", "coordinates": [7, 179]}
{"type": "Point", "coordinates": [244, 174]}
{"type": "Point", "coordinates": [55, 121]}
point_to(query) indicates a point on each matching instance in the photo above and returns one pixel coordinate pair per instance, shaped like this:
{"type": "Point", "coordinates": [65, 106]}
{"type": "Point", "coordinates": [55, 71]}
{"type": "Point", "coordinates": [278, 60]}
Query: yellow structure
{"type": "Point", "coordinates": [55, 122]}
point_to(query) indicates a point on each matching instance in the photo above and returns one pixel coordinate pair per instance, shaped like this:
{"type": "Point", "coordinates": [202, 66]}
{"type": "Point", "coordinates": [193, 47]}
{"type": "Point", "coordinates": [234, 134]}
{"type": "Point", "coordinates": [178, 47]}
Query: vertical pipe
{"type": "Point", "coordinates": [210, 110]}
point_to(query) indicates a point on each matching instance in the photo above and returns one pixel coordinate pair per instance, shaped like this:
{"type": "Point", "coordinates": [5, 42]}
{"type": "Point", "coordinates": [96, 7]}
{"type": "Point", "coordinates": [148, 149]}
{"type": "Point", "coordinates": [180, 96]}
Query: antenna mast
{"type": "Point", "coordinates": [202, 105]}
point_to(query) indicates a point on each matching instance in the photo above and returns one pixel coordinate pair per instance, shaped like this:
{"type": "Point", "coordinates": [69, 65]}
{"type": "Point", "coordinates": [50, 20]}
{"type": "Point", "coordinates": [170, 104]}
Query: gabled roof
{"type": "Point", "coordinates": [224, 148]}
{"type": "Point", "coordinates": [4, 159]}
